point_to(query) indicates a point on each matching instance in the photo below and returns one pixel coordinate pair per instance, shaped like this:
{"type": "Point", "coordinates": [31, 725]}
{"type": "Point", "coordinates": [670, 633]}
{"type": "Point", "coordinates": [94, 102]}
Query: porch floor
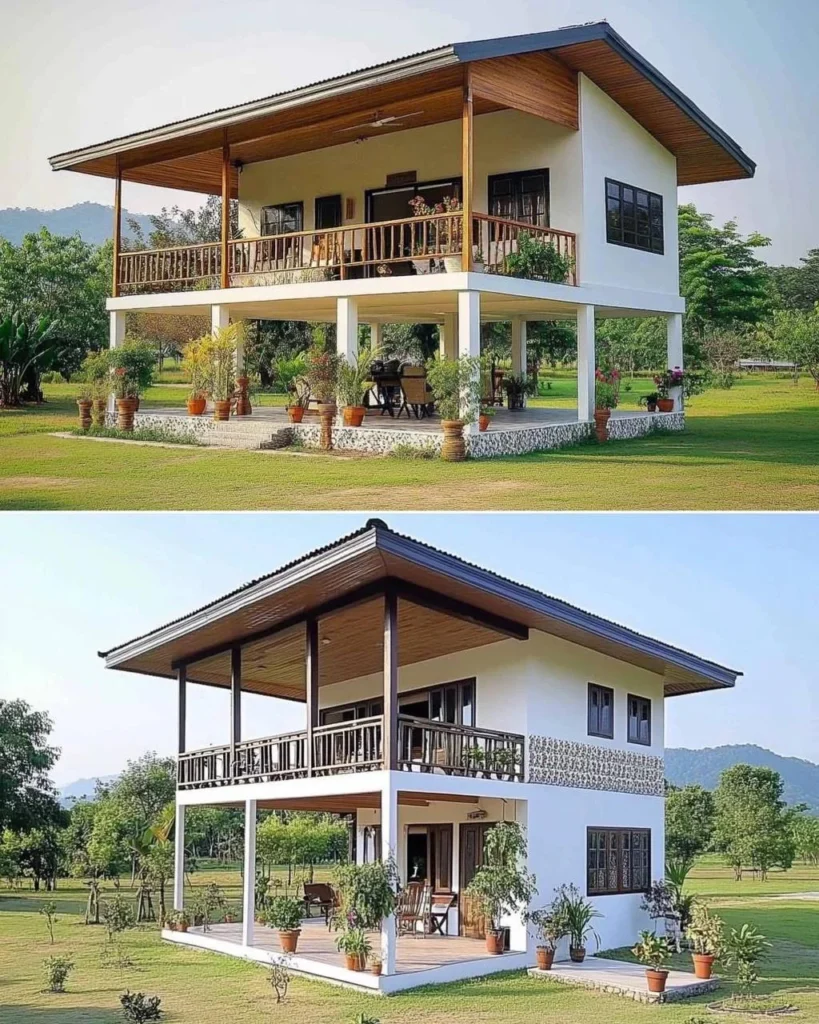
{"type": "Point", "coordinates": [625, 979]}
{"type": "Point", "coordinates": [317, 943]}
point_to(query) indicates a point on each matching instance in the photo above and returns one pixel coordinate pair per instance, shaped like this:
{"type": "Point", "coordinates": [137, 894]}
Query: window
{"type": "Point", "coordinates": [520, 196]}
{"type": "Point", "coordinates": [601, 711]}
{"type": "Point", "coordinates": [634, 217]}
{"type": "Point", "coordinates": [618, 860]}
{"type": "Point", "coordinates": [639, 720]}
{"type": "Point", "coordinates": [429, 855]}
{"type": "Point", "coordinates": [283, 219]}
{"type": "Point", "coordinates": [352, 712]}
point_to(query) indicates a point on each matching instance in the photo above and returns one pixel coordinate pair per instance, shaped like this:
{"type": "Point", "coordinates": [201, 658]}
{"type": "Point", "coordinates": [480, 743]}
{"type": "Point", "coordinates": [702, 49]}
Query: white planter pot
{"type": "Point", "coordinates": [453, 264]}
{"type": "Point", "coordinates": [421, 266]}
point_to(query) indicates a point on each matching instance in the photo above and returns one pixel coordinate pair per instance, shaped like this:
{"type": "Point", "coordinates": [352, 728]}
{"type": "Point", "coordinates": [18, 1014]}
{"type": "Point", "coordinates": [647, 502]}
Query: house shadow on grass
{"type": "Point", "coordinates": [58, 1014]}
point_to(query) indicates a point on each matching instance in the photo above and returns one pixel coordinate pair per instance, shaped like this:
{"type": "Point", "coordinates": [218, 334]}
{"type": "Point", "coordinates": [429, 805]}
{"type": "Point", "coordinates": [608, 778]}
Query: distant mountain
{"type": "Point", "coordinates": [92, 221]}
{"type": "Point", "coordinates": [80, 789]}
{"type": "Point", "coordinates": [801, 778]}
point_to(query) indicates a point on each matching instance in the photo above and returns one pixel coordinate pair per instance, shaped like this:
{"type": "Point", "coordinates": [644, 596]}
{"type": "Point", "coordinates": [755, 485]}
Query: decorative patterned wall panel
{"type": "Point", "coordinates": [556, 762]}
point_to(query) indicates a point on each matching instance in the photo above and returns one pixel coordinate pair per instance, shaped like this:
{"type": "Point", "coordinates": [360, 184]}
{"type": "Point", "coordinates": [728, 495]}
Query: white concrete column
{"type": "Point", "coordinates": [249, 895]}
{"type": "Point", "coordinates": [389, 849]}
{"type": "Point", "coordinates": [674, 336]}
{"type": "Point", "coordinates": [179, 858]}
{"type": "Point", "coordinates": [469, 332]}
{"type": "Point", "coordinates": [448, 336]}
{"type": "Point", "coordinates": [116, 336]}
{"type": "Point", "coordinates": [347, 328]}
{"type": "Point", "coordinates": [519, 345]}
{"type": "Point", "coordinates": [585, 363]}
{"type": "Point", "coordinates": [376, 337]}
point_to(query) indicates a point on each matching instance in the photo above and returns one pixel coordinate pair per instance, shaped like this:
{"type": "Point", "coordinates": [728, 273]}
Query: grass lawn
{"type": "Point", "coordinates": [753, 447]}
{"type": "Point", "coordinates": [199, 987]}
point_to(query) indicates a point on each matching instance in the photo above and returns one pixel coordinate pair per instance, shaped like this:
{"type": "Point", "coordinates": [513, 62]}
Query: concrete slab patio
{"type": "Point", "coordinates": [618, 977]}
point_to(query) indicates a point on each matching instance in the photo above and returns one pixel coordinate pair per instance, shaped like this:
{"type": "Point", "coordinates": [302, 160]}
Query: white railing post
{"type": "Point", "coordinates": [389, 848]}
{"type": "Point", "coordinates": [586, 364]}
{"type": "Point", "coordinates": [469, 333]}
{"type": "Point", "coordinates": [249, 894]}
{"type": "Point", "coordinates": [674, 339]}
{"type": "Point", "coordinates": [179, 859]}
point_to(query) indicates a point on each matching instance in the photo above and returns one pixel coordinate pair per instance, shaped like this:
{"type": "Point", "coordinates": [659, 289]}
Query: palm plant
{"type": "Point", "coordinates": [25, 348]}
{"type": "Point", "coordinates": [354, 377]}
{"type": "Point", "coordinates": [579, 914]}
{"type": "Point", "coordinates": [220, 349]}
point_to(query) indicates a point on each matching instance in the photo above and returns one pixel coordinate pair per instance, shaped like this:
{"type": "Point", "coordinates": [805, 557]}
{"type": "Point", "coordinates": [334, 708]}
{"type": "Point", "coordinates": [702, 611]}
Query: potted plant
{"type": "Point", "coordinates": [437, 236]}
{"type": "Point", "coordinates": [230, 915]}
{"type": "Point", "coordinates": [551, 926]}
{"type": "Point", "coordinates": [84, 402]}
{"type": "Point", "coordinates": [474, 759]}
{"type": "Point", "coordinates": [649, 401]}
{"type": "Point", "coordinates": [285, 913]}
{"type": "Point", "coordinates": [501, 885]}
{"type": "Point", "coordinates": [352, 385]}
{"type": "Point", "coordinates": [606, 397]}
{"type": "Point", "coordinates": [705, 933]}
{"type": "Point", "coordinates": [219, 356]}
{"type": "Point", "coordinates": [178, 921]}
{"type": "Point", "coordinates": [504, 762]}
{"type": "Point", "coordinates": [132, 372]}
{"type": "Point", "coordinates": [289, 375]}
{"type": "Point", "coordinates": [579, 916]}
{"type": "Point", "coordinates": [538, 260]}
{"type": "Point", "coordinates": [321, 373]}
{"type": "Point", "coordinates": [655, 952]}
{"type": "Point", "coordinates": [193, 363]}
{"type": "Point", "coordinates": [665, 382]}
{"type": "Point", "coordinates": [375, 965]}
{"type": "Point", "coordinates": [96, 373]}
{"type": "Point", "coordinates": [517, 386]}
{"type": "Point", "coordinates": [355, 946]}
{"type": "Point", "coordinates": [478, 260]}
{"type": "Point", "coordinates": [456, 389]}
{"type": "Point", "coordinates": [485, 418]}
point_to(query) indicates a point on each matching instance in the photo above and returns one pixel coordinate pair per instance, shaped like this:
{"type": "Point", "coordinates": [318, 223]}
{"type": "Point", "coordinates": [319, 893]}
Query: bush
{"type": "Point", "coordinates": [742, 951]}
{"type": "Point", "coordinates": [405, 450]}
{"type": "Point", "coordinates": [158, 434]}
{"type": "Point", "coordinates": [536, 259]}
{"type": "Point", "coordinates": [133, 367]}
{"type": "Point", "coordinates": [284, 913]}
{"type": "Point", "coordinates": [456, 387]}
{"type": "Point", "coordinates": [52, 377]}
{"type": "Point", "coordinates": [137, 1007]}
{"type": "Point", "coordinates": [57, 969]}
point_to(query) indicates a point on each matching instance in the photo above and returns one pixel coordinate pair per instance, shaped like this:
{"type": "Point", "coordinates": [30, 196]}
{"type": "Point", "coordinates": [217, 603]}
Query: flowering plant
{"type": "Point", "coordinates": [436, 237]}
{"type": "Point", "coordinates": [669, 379]}
{"type": "Point", "coordinates": [606, 389]}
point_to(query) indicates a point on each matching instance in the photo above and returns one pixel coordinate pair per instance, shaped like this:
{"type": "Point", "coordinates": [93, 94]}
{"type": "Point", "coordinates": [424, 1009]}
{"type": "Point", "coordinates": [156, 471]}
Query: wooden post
{"type": "Point", "coordinates": [390, 735]}
{"type": "Point", "coordinates": [225, 281]}
{"type": "Point", "coordinates": [311, 687]}
{"type": "Point", "coordinates": [467, 172]}
{"type": "Point", "coordinates": [235, 706]}
{"type": "Point", "coordinates": [182, 677]}
{"type": "Point", "coordinates": [117, 229]}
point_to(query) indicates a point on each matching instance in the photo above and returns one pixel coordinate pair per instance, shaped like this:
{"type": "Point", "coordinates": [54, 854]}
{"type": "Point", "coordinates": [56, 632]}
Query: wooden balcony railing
{"type": "Point", "coordinates": [355, 747]}
{"type": "Point", "coordinates": [415, 244]}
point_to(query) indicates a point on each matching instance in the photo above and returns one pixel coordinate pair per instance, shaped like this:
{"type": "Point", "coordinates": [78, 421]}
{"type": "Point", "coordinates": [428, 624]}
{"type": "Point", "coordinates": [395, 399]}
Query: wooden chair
{"type": "Point", "coordinates": [415, 394]}
{"type": "Point", "coordinates": [321, 895]}
{"type": "Point", "coordinates": [441, 904]}
{"type": "Point", "coordinates": [413, 908]}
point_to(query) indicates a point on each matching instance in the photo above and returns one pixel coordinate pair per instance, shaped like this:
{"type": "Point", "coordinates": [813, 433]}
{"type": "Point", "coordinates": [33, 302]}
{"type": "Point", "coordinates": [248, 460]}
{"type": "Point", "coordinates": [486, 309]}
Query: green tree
{"type": "Point", "coordinates": [796, 334]}
{"type": "Point", "coordinates": [797, 287]}
{"type": "Point", "coordinates": [752, 823]}
{"type": "Point", "coordinates": [805, 834]}
{"type": "Point", "coordinates": [689, 822]}
{"type": "Point", "coordinates": [26, 791]}
{"type": "Point", "coordinates": [724, 283]}
{"type": "Point", "coordinates": [175, 226]}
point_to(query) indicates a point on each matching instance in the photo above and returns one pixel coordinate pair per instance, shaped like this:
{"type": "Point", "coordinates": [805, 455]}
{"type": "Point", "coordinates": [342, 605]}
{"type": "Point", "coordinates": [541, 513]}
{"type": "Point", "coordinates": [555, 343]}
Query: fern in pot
{"type": "Point", "coordinates": [352, 385]}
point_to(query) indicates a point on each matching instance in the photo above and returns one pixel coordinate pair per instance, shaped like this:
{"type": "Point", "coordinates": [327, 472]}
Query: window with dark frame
{"type": "Point", "coordinates": [634, 217]}
{"type": "Point", "coordinates": [601, 711]}
{"type": "Point", "coordinates": [522, 195]}
{"type": "Point", "coordinates": [639, 720]}
{"type": "Point", "coordinates": [618, 860]}
{"type": "Point", "coordinates": [283, 219]}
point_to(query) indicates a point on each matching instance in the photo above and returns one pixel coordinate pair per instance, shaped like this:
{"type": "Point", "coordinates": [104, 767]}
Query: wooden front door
{"type": "Point", "coordinates": [473, 923]}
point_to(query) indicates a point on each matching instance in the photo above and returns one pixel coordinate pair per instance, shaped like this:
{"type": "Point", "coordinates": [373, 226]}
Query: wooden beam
{"type": "Point", "coordinates": [390, 736]}
{"type": "Point", "coordinates": [427, 598]}
{"type": "Point", "coordinates": [235, 705]}
{"type": "Point", "coordinates": [225, 209]}
{"type": "Point", "coordinates": [467, 169]}
{"type": "Point", "coordinates": [311, 671]}
{"type": "Point", "coordinates": [117, 228]}
{"type": "Point", "coordinates": [181, 674]}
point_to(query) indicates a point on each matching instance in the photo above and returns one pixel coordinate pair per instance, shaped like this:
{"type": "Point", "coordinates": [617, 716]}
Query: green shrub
{"type": "Point", "coordinates": [52, 377]}
{"type": "Point", "coordinates": [137, 1007]}
{"type": "Point", "coordinates": [536, 259]}
{"type": "Point", "coordinates": [405, 450]}
{"type": "Point", "coordinates": [284, 913]}
{"type": "Point", "coordinates": [158, 434]}
{"type": "Point", "coordinates": [57, 969]}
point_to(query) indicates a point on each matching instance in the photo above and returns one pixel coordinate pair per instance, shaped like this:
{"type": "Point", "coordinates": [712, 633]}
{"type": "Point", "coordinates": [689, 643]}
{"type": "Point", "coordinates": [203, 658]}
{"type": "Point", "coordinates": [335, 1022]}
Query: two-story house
{"type": "Point", "coordinates": [439, 698]}
{"type": "Point", "coordinates": [569, 136]}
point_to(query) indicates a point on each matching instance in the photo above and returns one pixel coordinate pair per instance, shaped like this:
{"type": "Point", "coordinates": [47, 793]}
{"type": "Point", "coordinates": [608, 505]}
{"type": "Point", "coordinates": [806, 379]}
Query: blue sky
{"type": "Point", "coordinates": [741, 589]}
{"type": "Point", "coordinates": [113, 69]}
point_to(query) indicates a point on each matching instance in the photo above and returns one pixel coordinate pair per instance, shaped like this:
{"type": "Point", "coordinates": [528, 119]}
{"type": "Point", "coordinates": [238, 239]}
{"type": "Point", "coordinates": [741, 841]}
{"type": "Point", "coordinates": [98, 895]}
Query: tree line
{"type": "Point", "coordinates": [737, 306]}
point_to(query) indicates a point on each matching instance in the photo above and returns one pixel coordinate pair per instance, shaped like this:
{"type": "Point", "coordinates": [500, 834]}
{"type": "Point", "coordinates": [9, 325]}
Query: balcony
{"type": "Point", "coordinates": [414, 245]}
{"type": "Point", "coordinates": [423, 746]}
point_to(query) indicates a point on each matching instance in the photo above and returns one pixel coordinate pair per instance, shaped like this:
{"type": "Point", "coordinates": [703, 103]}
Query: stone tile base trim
{"type": "Point", "coordinates": [625, 428]}
{"type": "Point", "coordinates": [555, 762]}
{"type": "Point", "coordinates": [492, 443]}
{"type": "Point", "coordinates": [605, 983]}
{"type": "Point", "coordinates": [370, 440]}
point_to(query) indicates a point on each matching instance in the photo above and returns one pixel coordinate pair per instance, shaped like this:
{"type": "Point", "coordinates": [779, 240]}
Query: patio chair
{"type": "Point", "coordinates": [413, 908]}
{"type": "Point", "coordinates": [442, 903]}
{"type": "Point", "coordinates": [415, 393]}
{"type": "Point", "coordinates": [321, 895]}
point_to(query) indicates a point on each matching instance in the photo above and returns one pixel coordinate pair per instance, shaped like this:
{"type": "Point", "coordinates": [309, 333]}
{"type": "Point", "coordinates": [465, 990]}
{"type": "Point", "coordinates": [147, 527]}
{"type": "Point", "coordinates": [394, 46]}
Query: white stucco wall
{"type": "Point", "coordinates": [615, 146]}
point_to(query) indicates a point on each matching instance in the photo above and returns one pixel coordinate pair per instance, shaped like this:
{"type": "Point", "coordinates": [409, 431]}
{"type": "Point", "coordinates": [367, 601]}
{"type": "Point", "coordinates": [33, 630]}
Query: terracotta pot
{"type": "Point", "coordinates": [494, 942]}
{"type": "Point", "coordinates": [170, 926]}
{"type": "Point", "coordinates": [577, 954]}
{"type": "Point", "coordinates": [183, 927]}
{"type": "Point", "coordinates": [354, 415]}
{"type": "Point", "coordinates": [243, 406]}
{"type": "Point", "coordinates": [375, 969]}
{"type": "Point", "coordinates": [295, 413]}
{"type": "Point", "coordinates": [545, 958]}
{"type": "Point", "coordinates": [229, 918]}
{"type": "Point", "coordinates": [136, 404]}
{"type": "Point", "coordinates": [453, 264]}
{"type": "Point", "coordinates": [221, 410]}
{"type": "Point", "coordinates": [453, 449]}
{"type": "Point", "coordinates": [289, 940]}
{"type": "Point", "coordinates": [483, 423]}
{"type": "Point", "coordinates": [665, 404]}
{"type": "Point", "coordinates": [601, 424]}
{"type": "Point", "coordinates": [355, 962]}
{"type": "Point", "coordinates": [84, 405]}
{"type": "Point", "coordinates": [126, 407]}
{"type": "Point", "coordinates": [703, 963]}
{"type": "Point", "coordinates": [98, 412]}
{"type": "Point", "coordinates": [196, 406]}
{"type": "Point", "coordinates": [656, 980]}
{"type": "Point", "coordinates": [327, 412]}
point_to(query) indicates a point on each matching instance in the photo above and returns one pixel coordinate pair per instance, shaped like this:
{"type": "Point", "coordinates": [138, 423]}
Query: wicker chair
{"type": "Point", "coordinates": [415, 394]}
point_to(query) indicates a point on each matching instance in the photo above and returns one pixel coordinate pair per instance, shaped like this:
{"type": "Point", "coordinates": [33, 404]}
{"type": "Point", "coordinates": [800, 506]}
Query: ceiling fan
{"type": "Point", "coordinates": [390, 121]}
